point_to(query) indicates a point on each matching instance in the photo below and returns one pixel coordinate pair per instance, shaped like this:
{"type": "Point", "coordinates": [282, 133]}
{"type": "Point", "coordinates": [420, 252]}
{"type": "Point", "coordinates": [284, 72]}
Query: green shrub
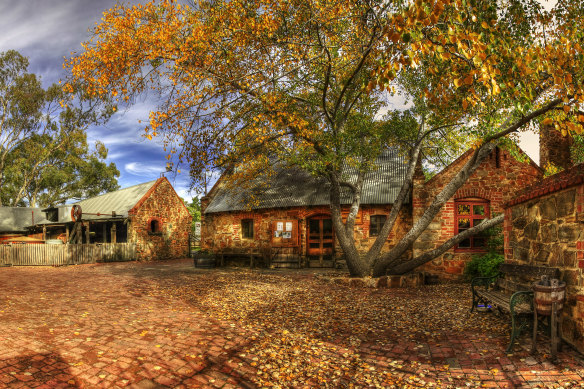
{"type": "Point", "coordinates": [487, 265]}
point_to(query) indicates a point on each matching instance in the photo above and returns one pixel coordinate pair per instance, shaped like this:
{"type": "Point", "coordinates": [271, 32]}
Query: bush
{"type": "Point", "coordinates": [487, 265]}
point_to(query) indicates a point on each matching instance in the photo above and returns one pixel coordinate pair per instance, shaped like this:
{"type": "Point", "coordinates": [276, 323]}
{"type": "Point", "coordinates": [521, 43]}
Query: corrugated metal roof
{"type": "Point", "coordinates": [120, 202]}
{"type": "Point", "coordinates": [293, 187]}
{"type": "Point", "coordinates": [16, 219]}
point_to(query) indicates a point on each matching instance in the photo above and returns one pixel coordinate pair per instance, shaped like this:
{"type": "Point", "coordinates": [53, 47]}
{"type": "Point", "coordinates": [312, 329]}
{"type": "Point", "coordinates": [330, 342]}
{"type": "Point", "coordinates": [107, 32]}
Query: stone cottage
{"type": "Point", "coordinates": [292, 221]}
{"type": "Point", "coordinates": [151, 215]}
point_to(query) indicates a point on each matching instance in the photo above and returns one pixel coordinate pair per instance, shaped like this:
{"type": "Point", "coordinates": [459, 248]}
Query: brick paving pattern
{"type": "Point", "coordinates": [103, 325]}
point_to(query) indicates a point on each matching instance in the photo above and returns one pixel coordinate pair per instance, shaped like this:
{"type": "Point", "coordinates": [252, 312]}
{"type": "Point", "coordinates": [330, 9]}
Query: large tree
{"type": "Point", "coordinates": [43, 149]}
{"type": "Point", "coordinates": [242, 82]}
{"type": "Point", "coordinates": [40, 174]}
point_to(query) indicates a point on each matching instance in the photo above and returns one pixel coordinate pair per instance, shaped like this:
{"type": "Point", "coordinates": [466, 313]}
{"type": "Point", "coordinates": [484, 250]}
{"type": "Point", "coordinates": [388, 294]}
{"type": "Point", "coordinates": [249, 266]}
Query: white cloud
{"type": "Point", "coordinates": [142, 169]}
{"type": "Point", "coordinates": [184, 193]}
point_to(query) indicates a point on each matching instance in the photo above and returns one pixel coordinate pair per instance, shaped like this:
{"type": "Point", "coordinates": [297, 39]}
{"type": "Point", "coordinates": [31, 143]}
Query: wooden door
{"type": "Point", "coordinates": [321, 238]}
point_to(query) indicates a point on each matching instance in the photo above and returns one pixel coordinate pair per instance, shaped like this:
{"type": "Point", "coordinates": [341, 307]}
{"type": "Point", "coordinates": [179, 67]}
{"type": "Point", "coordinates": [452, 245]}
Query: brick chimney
{"type": "Point", "coordinates": [554, 148]}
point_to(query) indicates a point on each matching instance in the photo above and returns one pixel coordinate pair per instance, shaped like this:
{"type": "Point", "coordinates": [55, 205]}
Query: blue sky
{"type": "Point", "coordinates": [45, 31]}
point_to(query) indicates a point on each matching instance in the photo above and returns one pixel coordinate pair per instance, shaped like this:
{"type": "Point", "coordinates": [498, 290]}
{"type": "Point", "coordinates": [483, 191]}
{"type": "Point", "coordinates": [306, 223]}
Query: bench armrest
{"type": "Point", "coordinates": [482, 281]}
{"type": "Point", "coordinates": [523, 298]}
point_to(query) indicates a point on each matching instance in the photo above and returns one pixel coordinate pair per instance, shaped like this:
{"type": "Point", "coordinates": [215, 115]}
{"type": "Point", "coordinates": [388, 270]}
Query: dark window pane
{"type": "Point", "coordinates": [479, 242]}
{"type": "Point", "coordinates": [327, 245]}
{"type": "Point", "coordinates": [314, 226]}
{"type": "Point", "coordinates": [376, 223]}
{"type": "Point", "coordinates": [327, 226]}
{"type": "Point", "coordinates": [463, 209]}
{"type": "Point", "coordinates": [247, 228]}
{"type": "Point", "coordinates": [314, 245]}
{"type": "Point", "coordinates": [478, 210]}
{"type": "Point", "coordinates": [463, 223]}
{"type": "Point", "coordinates": [465, 244]}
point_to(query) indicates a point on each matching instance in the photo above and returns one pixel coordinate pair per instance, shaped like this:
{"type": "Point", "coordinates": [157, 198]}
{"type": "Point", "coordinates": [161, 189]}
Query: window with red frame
{"type": "Point", "coordinates": [470, 213]}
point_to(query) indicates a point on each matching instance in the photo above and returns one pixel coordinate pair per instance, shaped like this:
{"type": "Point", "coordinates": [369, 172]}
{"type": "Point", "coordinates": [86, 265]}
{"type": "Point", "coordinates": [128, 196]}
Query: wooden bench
{"type": "Point", "coordinates": [255, 257]}
{"type": "Point", "coordinates": [510, 292]}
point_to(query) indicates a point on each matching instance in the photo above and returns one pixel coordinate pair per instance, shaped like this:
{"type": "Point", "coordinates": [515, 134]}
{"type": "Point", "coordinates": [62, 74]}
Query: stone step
{"type": "Point", "coordinates": [326, 263]}
{"type": "Point", "coordinates": [284, 265]}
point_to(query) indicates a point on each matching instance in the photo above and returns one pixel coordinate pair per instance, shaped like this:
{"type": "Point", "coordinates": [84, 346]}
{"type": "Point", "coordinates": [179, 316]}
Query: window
{"type": "Point", "coordinates": [376, 222]}
{"type": "Point", "coordinates": [154, 226]}
{"type": "Point", "coordinates": [470, 213]}
{"type": "Point", "coordinates": [247, 228]}
{"type": "Point", "coordinates": [284, 233]}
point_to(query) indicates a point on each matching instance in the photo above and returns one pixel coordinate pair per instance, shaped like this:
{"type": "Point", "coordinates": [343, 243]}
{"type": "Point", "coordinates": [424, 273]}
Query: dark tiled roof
{"type": "Point", "coordinates": [567, 178]}
{"type": "Point", "coordinates": [16, 219]}
{"type": "Point", "coordinates": [292, 187]}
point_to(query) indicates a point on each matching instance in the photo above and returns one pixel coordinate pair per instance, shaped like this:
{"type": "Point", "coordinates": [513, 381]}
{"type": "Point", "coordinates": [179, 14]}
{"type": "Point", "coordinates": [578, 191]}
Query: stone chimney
{"type": "Point", "coordinates": [554, 148]}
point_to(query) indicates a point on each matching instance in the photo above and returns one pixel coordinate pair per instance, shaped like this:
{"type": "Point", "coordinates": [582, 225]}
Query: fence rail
{"type": "Point", "coordinates": [67, 254]}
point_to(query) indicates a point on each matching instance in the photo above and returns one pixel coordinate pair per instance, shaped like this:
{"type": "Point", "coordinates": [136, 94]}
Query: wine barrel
{"type": "Point", "coordinates": [544, 296]}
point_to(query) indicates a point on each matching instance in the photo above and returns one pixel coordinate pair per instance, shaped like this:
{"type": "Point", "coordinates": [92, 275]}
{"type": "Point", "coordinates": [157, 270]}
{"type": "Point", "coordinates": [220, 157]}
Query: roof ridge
{"type": "Point", "coordinates": [119, 190]}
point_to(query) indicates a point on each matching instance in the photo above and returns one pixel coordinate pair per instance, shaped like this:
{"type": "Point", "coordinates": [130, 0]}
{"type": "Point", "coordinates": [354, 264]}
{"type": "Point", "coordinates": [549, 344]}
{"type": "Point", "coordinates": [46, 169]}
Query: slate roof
{"type": "Point", "coordinates": [16, 219]}
{"type": "Point", "coordinates": [121, 201]}
{"type": "Point", "coordinates": [292, 187]}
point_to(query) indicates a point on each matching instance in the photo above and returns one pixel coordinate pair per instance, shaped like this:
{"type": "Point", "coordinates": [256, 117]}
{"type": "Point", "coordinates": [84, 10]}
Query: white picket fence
{"type": "Point", "coordinates": [66, 254]}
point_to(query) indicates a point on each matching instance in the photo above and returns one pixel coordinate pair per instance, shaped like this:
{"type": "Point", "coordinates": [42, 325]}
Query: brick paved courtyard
{"type": "Point", "coordinates": [157, 325]}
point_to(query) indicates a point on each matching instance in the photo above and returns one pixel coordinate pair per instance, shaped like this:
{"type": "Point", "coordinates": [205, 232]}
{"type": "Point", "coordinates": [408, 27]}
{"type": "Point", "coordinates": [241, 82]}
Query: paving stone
{"type": "Point", "coordinates": [107, 325]}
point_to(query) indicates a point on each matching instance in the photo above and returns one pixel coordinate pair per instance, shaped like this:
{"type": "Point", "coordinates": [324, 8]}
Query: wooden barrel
{"type": "Point", "coordinates": [545, 296]}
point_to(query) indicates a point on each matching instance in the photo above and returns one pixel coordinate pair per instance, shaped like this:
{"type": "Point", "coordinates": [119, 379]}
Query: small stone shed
{"type": "Point", "coordinates": [544, 226]}
{"type": "Point", "coordinates": [150, 214]}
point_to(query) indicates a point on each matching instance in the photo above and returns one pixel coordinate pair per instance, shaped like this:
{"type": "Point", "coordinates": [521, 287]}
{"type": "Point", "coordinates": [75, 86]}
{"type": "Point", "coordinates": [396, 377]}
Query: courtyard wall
{"type": "Point", "coordinates": [543, 227]}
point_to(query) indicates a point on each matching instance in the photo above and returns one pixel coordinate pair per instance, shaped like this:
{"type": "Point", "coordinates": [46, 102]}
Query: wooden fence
{"type": "Point", "coordinates": [65, 254]}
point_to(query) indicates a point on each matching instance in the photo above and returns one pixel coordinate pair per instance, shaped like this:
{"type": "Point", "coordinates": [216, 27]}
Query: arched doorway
{"type": "Point", "coordinates": [320, 241]}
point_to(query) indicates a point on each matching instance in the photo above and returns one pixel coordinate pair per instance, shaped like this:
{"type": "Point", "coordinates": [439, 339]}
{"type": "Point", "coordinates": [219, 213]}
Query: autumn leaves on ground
{"type": "Point", "coordinates": [171, 325]}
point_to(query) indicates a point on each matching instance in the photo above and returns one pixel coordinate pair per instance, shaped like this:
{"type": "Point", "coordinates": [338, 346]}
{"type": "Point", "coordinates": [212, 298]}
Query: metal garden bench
{"type": "Point", "coordinates": [510, 292]}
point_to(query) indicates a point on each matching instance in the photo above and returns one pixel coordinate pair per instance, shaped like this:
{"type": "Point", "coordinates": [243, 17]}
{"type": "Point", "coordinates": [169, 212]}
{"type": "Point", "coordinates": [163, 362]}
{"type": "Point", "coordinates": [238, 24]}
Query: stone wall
{"type": "Point", "coordinates": [543, 227]}
{"type": "Point", "coordinates": [163, 205]}
{"type": "Point", "coordinates": [497, 180]}
{"type": "Point", "coordinates": [221, 231]}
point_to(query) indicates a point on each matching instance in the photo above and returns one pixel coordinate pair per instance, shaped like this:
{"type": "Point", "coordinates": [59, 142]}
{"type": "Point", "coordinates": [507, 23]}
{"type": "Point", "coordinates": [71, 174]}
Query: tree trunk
{"type": "Point", "coordinates": [356, 263]}
{"type": "Point", "coordinates": [392, 257]}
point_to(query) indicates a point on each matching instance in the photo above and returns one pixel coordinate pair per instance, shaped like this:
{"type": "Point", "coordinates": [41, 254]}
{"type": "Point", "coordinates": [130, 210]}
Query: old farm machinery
{"type": "Point", "coordinates": [76, 216]}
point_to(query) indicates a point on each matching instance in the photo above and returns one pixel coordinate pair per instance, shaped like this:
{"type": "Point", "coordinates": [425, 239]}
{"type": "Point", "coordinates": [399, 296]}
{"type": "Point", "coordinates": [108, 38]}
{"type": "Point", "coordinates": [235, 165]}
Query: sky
{"type": "Point", "coordinates": [46, 31]}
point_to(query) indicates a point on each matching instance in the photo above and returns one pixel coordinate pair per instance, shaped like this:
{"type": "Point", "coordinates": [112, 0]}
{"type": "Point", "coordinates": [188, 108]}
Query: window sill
{"type": "Point", "coordinates": [471, 250]}
{"type": "Point", "coordinates": [155, 233]}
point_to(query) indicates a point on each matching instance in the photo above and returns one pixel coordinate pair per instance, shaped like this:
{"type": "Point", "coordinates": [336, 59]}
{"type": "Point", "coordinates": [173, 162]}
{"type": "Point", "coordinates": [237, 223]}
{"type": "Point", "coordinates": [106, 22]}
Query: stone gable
{"type": "Point", "coordinates": [164, 210]}
{"type": "Point", "coordinates": [496, 181]}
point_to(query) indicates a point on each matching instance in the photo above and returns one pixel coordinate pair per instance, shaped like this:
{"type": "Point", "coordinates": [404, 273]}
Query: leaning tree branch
{"type": "Point", "coordinates": [429, 255]}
